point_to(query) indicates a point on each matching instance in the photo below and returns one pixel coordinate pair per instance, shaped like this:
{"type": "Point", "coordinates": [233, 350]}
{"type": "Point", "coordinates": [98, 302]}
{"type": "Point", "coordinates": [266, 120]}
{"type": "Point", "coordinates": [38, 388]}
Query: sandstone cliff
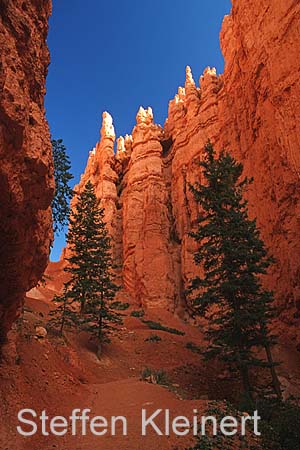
{"type": "Point", "coordinates": [252, 110]}
{"type": "Point", "coordinates": [26, 181]}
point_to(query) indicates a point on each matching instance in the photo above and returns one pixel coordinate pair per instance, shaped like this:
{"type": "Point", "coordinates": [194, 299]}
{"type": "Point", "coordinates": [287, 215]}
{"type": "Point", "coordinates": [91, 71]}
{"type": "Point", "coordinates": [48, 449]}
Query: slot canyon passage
{"type": "Point", "coordinates": [142, 181]}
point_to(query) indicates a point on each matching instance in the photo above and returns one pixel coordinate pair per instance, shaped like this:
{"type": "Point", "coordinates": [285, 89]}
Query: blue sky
{"type": "Point", "coordinates": [117, 55]}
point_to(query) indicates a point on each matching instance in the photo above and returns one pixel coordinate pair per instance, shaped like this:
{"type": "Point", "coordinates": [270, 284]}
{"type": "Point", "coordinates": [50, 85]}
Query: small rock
{"type": "Point", "coordinates": [40, 332]}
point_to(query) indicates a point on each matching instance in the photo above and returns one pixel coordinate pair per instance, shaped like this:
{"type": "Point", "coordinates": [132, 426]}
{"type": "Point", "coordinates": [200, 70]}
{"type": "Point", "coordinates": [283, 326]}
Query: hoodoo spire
{"type": "Point", "coordinates": [107, 129]}
{"type": "Point", "coordinates": [189, 80]}
{"type": "Point", "coordinates": [144, 115]}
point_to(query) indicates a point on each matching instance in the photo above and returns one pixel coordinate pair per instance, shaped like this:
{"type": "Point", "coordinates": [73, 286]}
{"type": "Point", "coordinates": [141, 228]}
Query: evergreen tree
{"type": "Point", "coordinates": [90, 266]}
{"type": "Point", "coordinates": [63, 192]}
{"type": "Point", "coordinates": [65, 314]}
{"type": "Point", "coordinates": [233, 258]}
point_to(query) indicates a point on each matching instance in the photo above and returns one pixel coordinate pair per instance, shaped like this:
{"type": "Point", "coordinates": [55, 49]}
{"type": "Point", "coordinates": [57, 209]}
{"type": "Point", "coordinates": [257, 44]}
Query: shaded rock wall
{"type": "Point", "coordinates": [266, 70]}
{"type": "Point", "coordinates": [26, 179]}
{"type": "Point", "coordinates": [252, 110]}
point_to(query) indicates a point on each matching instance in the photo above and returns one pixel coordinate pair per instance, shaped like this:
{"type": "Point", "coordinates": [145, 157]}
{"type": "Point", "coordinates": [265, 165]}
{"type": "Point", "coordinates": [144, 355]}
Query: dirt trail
{"type": "Point", "coordinates": [127, 398]}
{"type": "Point", "coordinates": [59, 376]}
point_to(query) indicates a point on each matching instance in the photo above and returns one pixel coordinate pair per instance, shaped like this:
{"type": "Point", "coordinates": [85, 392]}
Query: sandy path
{"type": "Point", "coordinates": [127, 398]}
{"type": "Point", "coordinates": [60, 378]}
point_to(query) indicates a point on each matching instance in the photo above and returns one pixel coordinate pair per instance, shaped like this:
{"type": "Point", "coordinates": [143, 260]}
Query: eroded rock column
{"type": "Point", "coordinates": [148, 270]}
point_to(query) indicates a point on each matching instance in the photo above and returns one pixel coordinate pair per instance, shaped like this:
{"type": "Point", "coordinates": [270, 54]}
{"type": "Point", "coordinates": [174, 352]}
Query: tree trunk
{"type": "Point", "coordinates": [244, 371]}
{"type": "Point", "coordinates": [63, 319]}
{"type": "Point", "coordinates": [82, 306]}
{"type": "Point", "coordinates": [246, 382]}
{"type": "Point", "coordinates": [275, 380]}
{"type": "Point", "coordinates": [62, 326]}
{"type": "Point", "coordinates": [99, 350]}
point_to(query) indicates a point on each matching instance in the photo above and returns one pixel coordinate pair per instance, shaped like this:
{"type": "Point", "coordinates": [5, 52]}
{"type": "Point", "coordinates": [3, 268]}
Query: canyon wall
{"type": "Point", "coordinates": [251, 110]}
{"type": "Point", "coordinates": [26, 179]}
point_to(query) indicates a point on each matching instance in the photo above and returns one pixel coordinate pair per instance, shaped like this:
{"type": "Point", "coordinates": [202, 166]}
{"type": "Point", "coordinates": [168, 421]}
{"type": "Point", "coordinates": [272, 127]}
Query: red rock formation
{"type": "Point", "coordinates": [26, 182]}
{"type": "Point", "coordinates": [100, 170]}
{"type": "Point", "coordinates": [148, 263]}
{"type": "Point", "coordinates": [267, 112]}
{"type": "Point", "coordinates": [252, 110]}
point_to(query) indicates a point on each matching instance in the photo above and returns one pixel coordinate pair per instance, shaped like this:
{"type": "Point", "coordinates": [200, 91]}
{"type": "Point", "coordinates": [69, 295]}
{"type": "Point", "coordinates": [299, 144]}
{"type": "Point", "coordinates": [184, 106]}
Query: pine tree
{"type": "Point", "coordinates": [233, 258]}
{"type": "Point", "coordinates": [63, 192]}
{"type": "Point", "coordinates": [90, 266]}
{"type": "Point", "coordinates": [65, 313]}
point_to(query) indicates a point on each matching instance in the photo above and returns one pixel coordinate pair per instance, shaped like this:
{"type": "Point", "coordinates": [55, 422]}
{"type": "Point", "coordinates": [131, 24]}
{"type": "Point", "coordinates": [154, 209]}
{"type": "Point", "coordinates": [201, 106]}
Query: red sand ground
{"type": "Point", "coordinates": [59, 376]}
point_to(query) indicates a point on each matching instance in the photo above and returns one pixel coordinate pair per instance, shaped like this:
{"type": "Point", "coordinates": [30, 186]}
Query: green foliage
{"type": "Point", "coordinates": [154, 376]}
{"type": "Point", "coordinates": [64, 315]}
{"type": "Point", "coordinates": [158, 326]}
{"type": "Point", "coordinates": [138, 314]}
{"type": "Point", "coordinates": [63, 192]}
{"type": "Point", "coordinates": [233, 257]}
{"type": "Point", "coordinates": [193, 347]}
{"type": "Point", "coordinates": [119, 306]}
{"type": "Point", "coordinates": [280, 424]}
{"type": "Point", "coordinates": [146, 373]}
{"type": "Point", "coordinates": [153, 338]}
{"type": "Point", "coordinates": [90, 266]}
{"type": "Point", "coordinates": [220, 441]}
